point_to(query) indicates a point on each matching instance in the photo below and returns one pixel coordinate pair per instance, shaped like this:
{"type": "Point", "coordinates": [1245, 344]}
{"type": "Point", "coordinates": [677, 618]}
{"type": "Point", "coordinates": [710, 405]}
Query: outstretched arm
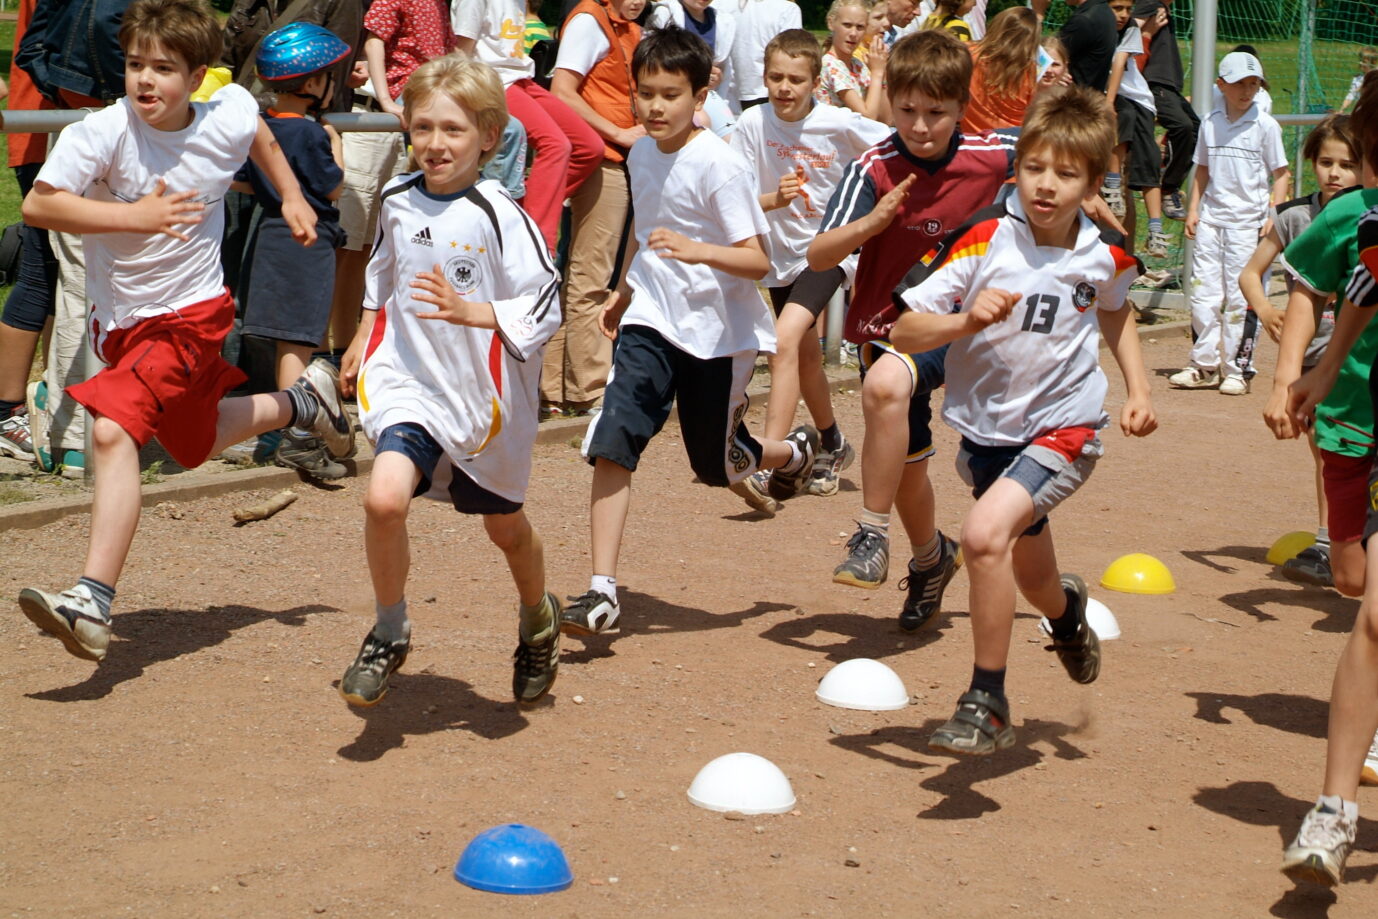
{"type": "Point", "coordinates": [829, 248]}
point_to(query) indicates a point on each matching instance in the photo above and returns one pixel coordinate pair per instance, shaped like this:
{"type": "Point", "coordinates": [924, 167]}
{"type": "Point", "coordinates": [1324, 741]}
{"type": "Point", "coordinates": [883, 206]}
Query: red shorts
{"type": "Point", "coordinates": [1346, 493]}
{"type": "Point", "coordinates": [166, 378]}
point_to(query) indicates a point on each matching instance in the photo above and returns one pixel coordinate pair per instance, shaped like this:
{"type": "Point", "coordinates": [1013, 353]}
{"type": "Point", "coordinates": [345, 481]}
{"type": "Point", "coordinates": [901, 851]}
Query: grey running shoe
{"type": "Point", "coordinates": [308, 455]}
{"type": "Point", "coordinates": [536, 664]}
{"type": "Point", "coordinates": [1310, 566]}
{"type": "Point", "coordinates": [925, 588]}
{"type": "Point", "coordinates": [332, 423]}
{"type": "Point", "coordinates": [1172, 206]}
{"type": "Point", "coordinates": [788, 484]}
{"type": "Point", "coordinates": [72, 617]}
{"type": "Point", "coordinates": [754, 491]}
{"type": "Point", "coordinates": [1080, 654]}
{"type": "Point", "coordinates": [981, 725]}
{"type": "Point", "coordinates": [15, 439]}
{"type": "Point", "coordinates": [255, 451]}
{"type": "Point", "coordinates": [1318, 853]}
{"type": "Point", "coordinates": [868, 559]}
{"type": "Point", "coordinates": [827, 469]}
{"type": "Point", "coordinates": [366, 681]}
{"type": "Point", "coordinates": [592, 613]}
{"type": "Point", "coordinates": [1156, 245]}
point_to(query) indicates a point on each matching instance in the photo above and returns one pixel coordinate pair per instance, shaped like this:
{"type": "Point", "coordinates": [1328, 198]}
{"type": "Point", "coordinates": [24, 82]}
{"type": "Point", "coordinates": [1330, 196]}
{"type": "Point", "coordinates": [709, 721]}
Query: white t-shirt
{"type": "Point", "coordinates": [1038, 370]}
{"type": "Point", "coordinates": [823, 143]}
{"type": "Point", "coordinates": [1241, 156]}
{"type": "Point", "coordinates": [1264, 99]}
{"type": "Point", "coordinates": [112, 155]}
{"type": "Point", "coordinates": [582, 45]}
{"type": "Point", "coordinates": [496, 27]}
{"type": "Point", "coordinates": [758, 21]}
{"type": "Point", "coordinates": [475, 391]}
{"type": "Point", "coordinates": [1133, 86]}
{"type": "Point", "coordinates": [707, 192]}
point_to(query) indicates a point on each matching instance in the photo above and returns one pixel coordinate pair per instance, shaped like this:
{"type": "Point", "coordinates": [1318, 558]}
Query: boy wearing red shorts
{"type": "Point", "coordinates": [144, 179]}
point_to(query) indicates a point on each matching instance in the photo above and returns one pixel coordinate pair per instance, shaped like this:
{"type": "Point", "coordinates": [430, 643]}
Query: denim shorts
{"type": "Point", "coordinates": [1049, 477]}
{"type": "Point", "coordinates": [416, 444]}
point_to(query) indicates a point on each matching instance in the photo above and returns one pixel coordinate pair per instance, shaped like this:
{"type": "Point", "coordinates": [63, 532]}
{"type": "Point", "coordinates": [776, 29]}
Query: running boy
{"type": "Point", "coordinates": [692, 323]}
{"type": "Point", "coordinates": [1238, 150]}
{"type": "Point", "coordinates": [460, 280]}
{"type": "Point", "coordinates": [160, 307]}
{"type": "Point", "coordinates": [899, 198]}
{"type": "Point", "coordinates": [798, 149]}
{"type": "Point", "coordinates": [1032, 282]}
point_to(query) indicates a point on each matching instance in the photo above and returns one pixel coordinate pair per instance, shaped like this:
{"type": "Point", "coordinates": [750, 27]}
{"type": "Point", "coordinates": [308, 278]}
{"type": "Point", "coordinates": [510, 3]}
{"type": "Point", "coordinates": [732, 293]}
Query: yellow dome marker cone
{"type": "Point", "coordinates": [1288, 545]}
{"type": "Point", "coordinates": [1138, 573]}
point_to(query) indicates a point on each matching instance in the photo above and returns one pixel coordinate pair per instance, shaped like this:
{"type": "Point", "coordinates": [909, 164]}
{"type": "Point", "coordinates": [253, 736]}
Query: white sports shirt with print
{"type": "Point", "coordinates": [112, 155]}
{"type": "Point", "coordinates": [822, 144]}
{"type": "Point", "coordinates": [473, 390]}
{"type": "Point", "coordinates": [1039, 370]}
{"type": "Point", "coordinates": [496, 26]}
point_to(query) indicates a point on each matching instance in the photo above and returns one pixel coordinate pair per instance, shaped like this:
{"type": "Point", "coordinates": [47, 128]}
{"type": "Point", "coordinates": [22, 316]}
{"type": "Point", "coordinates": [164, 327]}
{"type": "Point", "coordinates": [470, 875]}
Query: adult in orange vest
{"type": "Point", "coordinates": [593, 76]}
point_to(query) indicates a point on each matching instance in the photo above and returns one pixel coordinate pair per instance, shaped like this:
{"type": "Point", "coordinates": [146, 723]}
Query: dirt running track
{"type": "Point", "coordinates": [208, 768]}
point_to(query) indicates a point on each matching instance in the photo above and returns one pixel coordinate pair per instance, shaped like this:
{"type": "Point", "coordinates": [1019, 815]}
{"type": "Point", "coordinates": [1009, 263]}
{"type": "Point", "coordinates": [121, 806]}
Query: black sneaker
{"type": "Point", "coordinates": [868, 559]}
{"type": "Point", "coordinates": [1080, 654]}
{"type": "Point", "coordinates": [593, 613]}
{"type": "Point", "coordinates": [925, 597]}
{"type": "Point", "coordinates": [981, 725]}
{"type": "Point", "coordinates": [1310, 566]}
{"type": "Point", "coordinates": [535, 664]}
{"type": "Point", "coordinates": [308, 455]}
{"type": "Point", "coordinates": [366, 681]}
{"type": "Point", "coordinates": [788, 484]}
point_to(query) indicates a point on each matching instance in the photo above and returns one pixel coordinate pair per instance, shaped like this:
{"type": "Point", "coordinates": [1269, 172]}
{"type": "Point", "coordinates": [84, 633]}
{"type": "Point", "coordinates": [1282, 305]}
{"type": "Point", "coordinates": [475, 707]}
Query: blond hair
{"type": "Point", "coordinates": [1073, 122]}
{"type": "Point", "coordinates": [467, 83]}
{"type": "Point", "coordinates": [187, 28]}
{"type": "Point", "coordinates": [933, 61]}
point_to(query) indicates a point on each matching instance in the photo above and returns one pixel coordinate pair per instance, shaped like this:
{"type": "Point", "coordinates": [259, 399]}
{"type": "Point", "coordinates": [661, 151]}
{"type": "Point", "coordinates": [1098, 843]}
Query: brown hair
{"type": "Point", "coordinates": [1009, 52]}
{"type": "Point", "coordinates": [794, 43]}
{"type": "Point", "coordinates": [1074, 122]}
{"type": "Point", "coordinates": [1334, 127]}
{"type": "Point", "coordinates": [471, 85]}
{"type": "Point", "coordinates": [187, 28]}
{"type": "Point", "coordinates": [1363, 120]}
{"type": "Point", "coordinates": [932, 61]}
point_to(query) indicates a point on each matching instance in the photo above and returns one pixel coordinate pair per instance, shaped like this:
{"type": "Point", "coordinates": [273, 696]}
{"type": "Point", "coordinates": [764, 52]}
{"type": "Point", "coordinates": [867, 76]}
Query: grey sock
{"type": "Point", "coordinates": [102, 593]}
{"type": "Point", "coordinates": [304, 405]}
{"type": "Point", "coordinates": [536, 621]}
{"type": "Point", "coordinates": [393, 623]}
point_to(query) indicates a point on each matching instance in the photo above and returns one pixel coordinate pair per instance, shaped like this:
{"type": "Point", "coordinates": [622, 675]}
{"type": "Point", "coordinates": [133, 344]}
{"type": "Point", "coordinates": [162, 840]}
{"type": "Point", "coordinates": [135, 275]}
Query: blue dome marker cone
{"type": "Point", "coordinates": [513, 859]}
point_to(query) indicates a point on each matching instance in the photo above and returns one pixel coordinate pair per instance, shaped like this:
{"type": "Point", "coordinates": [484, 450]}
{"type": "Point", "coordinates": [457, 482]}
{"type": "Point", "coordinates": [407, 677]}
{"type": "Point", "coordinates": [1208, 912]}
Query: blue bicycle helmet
{"type": "Point", "coordinates": [298, 49]}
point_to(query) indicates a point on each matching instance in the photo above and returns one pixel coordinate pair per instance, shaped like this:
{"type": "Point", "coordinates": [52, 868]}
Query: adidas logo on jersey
{"type": "Point", "coordinates": [423, 238]}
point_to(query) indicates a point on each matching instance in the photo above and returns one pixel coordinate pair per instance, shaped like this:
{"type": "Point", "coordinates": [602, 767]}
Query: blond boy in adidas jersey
{"type": "Point", "coordinates": [460, 299]}
{"type": "Point", "coordinates": [1036, 282]}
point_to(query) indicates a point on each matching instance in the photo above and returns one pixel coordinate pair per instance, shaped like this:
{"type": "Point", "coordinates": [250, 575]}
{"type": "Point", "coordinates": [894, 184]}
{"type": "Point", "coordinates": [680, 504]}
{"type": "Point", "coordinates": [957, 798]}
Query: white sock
{"type": "Point", "coordinates": [928, 554]}
{"type": "Point", "coordinates": [1337, 805]}
{"type": "Point", "coordinates": [796, 458]}
{"type": "Point", "coordinates": [604, 585]}
{"type": "Point", "coordinates": [393, 623]}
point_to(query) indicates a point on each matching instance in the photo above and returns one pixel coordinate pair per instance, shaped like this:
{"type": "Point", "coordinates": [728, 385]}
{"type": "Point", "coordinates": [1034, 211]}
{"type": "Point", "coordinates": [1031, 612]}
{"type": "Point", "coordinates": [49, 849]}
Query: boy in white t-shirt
{"type": "Point", "coordinates": [460, 300]}
{"type": "Point", "coordinates": [758, 21]}
{"type": "Point", "coordinates": [689, 322]}
{"type": "Point", "coordinates": [1241, 174]}
{"type": "Point", "coordinates": [1033, 283]}
{"type": "Point", "coordinates": [799, 150]}
{"type": "Point", "coordinates": [144, 180]}
{"type": "Point", "coordinates": [1129, 95]}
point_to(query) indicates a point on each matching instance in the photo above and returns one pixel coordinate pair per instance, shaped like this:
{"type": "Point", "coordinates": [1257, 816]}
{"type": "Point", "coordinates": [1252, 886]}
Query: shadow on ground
{"type": "Point", "coordinates": [1291, 713]}
{"type": "Point", "coordinates": [402, 714]}
{"type": "Point", "coordinates": [151, 636]}
{"type": "Point", "coordinates": [843, 636]}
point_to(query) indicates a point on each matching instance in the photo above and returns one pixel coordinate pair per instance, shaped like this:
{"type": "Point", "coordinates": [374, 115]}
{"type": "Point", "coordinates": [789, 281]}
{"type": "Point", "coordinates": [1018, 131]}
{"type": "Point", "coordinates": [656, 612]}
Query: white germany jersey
{"type": "Point", "coordinates": [819, 146]}
{"type": "Point", "coordinates": [473, 390]}
{"type": "Point", "coordinates": [1039, 370]}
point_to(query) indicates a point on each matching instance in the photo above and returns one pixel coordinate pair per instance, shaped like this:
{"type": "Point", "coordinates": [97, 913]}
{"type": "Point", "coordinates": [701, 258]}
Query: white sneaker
{"type": "Point", "coordinates": [755, 491]}
{"type": "Point", "coordinates": [592, 613]}
{"type": "Point", "coordinates": [71, 617]}
{"type": "Point", "coordinates": [1234, 385]}
{"type": "Point", "coordinates": [1370, 774]}
{"type": "Point", "coordinates": [1195, 378]}
{"type": "Point", "coordinates": [1318, 853]}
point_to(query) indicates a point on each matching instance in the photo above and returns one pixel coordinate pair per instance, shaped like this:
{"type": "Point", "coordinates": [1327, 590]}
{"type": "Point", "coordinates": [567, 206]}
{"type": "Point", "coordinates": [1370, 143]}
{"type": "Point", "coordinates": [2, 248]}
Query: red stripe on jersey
{"type": "Point", "coordinates": [1123, 260]}
{"type": "Point", "coordinates": [375, 337]}
{"type": "Point", "coordinates": [495, 361]}
{"type": "Point", "coordinates": [1369, 257]}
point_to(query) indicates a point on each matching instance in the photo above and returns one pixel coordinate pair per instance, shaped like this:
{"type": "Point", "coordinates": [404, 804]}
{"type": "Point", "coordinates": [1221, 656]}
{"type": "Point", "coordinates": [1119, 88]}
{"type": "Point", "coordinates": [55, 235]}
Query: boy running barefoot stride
{"type": "Point", "coordinates": [143, 179]}
{"type": "Point", "coordinates": [1034, 283]}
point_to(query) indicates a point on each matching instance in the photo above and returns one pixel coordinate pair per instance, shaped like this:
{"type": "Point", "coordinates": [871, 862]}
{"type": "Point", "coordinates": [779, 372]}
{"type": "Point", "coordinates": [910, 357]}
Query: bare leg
{"type": "Point", "coordinates": [885, 398]}
{"type": "Point", "coordinates": [292, 361]}
{"type": "Point", "coordinates": [244, 416]}
{"type": "Point", "coordinates": [1354, 696]}
{"type": "Point", "coordinates": [348, 298]}
{"type": "Point", "coordinates": [609, 503]}
{"type": "Point", "coordinates": [915, 504]}
{"type": "Point", "coordinates": [512, 533]}
{"type": "Point", "coordinates": [1153, 203]}
{"type": "Point", "coordinates": [796, 366]}
{"type": "Point", "coordinates": [1322, 507]}
{"type": "Point", "coordinates": [386, 503]}
{"type": "Point", "coordinates": [813, 381]}
{"type": "Point", "coordinates": [115, 505]}
{"type": "Point", "coordinates": [1347, 567]}
{"type": "Point", "coordinates": [17, 348]}
{"type": "Point", "coordinates": [989, 534]}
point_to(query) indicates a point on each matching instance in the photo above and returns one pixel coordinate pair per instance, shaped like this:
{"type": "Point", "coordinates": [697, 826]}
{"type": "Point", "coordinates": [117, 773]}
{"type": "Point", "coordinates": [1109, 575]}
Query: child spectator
{"type": "Point", "coordinates": [1132, 101]}
{"type": "Point", "coordinates": [691, 324]}
{"type": "Point", "coordinates": [567, 150]}
{"type": "Point", "coordinates": [1179, 120]}
{"type": "Point", "coordinates": [798, 150]}
{"type": "Point", "coordinates": [1004, 71]}
{"type": "Point", "coordinates": [1331, 151]}
{"type": "Point", "coordinates": [1090, 38]}
{"type": "Point", "coordinates": [847, 82]}
{"type": "Point", "coordinates": [1239, 150]}
{"type": "Point", "coordinates": [947, 14]}
{"type": "Point", "coordinates": [536, 30]}
{"type": "Point", "coordinates": [1328, 832]}
{"type": "Point", "coordinates": [899, 198]}
{"type": "Point", "coordinates": [143, 179]}
{"type": "Point", "coordinates": [461, 278]}
{"type": "Point", "coordinates": [718, 28]}
{"type": "Point", "coordinates": [403, 35]}
{"type": "Point", "coordinates": [593, 77]}
{"type": "Point", "coordinates": [287, 291]}
{"type": "Point", "coordinates": [1055, 70]}
{"type": "Point", "coordinates": [758, 21]}
{"type": "Point", "coordinates": [1368, 60]}
{"type": "Point", "coordinates": [1026, 391]}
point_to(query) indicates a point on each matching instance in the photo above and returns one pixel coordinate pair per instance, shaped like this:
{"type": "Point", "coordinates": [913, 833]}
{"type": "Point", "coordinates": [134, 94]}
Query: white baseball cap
{"type": "Point", "coordinates": [1237, 65]}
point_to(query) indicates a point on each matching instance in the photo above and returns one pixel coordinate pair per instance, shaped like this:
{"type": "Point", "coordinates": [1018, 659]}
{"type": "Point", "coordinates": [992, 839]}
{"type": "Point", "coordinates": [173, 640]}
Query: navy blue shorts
{"type": "Point", "coordinates": [416, 444]}
{"type": "Point", "coordinates": [926, 373]}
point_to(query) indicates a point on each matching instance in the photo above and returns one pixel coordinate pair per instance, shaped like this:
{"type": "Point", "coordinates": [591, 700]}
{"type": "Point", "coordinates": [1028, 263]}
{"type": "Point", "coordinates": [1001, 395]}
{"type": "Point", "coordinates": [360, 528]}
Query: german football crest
{"type": "Point", "coordinates": [1083, 296]}
{"type": "Point", "coordinates": [464, 274]}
